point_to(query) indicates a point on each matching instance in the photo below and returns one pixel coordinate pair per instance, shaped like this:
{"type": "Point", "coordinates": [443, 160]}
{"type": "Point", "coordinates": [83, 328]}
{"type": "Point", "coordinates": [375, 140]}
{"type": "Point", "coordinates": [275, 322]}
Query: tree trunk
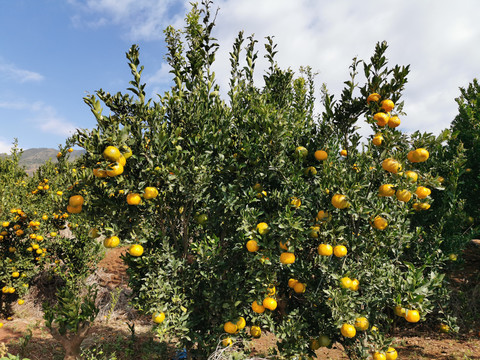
{"type": "Point", "coordinates": [71, 342]}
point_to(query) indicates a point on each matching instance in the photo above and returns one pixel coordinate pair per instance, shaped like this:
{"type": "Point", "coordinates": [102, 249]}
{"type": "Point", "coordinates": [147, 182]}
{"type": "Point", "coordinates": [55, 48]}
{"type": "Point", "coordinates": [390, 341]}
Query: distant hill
{"type": "Point", "coordinates": [32, 159]}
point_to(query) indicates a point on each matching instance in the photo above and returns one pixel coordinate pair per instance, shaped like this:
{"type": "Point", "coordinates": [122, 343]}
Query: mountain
{"type": "Point", "coordinates": [32, 159]}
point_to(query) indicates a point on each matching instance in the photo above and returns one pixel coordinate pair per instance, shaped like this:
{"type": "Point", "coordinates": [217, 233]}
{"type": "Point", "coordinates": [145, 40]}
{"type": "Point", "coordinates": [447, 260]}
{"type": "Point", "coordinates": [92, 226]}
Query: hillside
{"type": "Point", "coordinates": [32, 158]}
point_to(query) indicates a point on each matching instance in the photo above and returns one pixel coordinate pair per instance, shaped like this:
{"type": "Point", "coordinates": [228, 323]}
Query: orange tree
{"type": "Point", "coordinates": [257, 212]}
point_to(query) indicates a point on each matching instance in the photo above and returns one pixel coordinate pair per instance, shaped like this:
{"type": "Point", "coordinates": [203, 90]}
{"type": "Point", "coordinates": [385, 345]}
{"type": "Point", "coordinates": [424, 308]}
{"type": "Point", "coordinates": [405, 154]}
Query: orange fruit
{"type": "Point", "coordinates": [301, 152]}
{"type": "Point", "coordinates": [393, 122]}
{"type": "Point", "coordinates": [114, 169]}
{"type": "Point", "coordinates": [386, 190]}
{"type": "Point", "coordinates": [136, 250]}
{"type": "Point", "coordinates": [74, 209]}
{"type": "Point", "coordinates": [262, 228]}
{"type": "Point", "coordinates": [340, 201]}
{"type": "Point", "coordinates": [98, 173]}
{"type": "Point", "coordinates": [412, 316]}
{"type": "Point", "coordinates": [403, 195]}
{"type": "Point", "coordinates": [252, 246]}
{"type": "Point", "coordinates": [377, 139]}
{"type": "Point", "coordinates": [259, 309]}
{"type": "Point", "coordinates": [355, 285]}
{"type": "Point", "coordinates": [345, 282]}
{"type": "Point", "coordinates": [325, 250]}
{"type": "Point", "coordinates": [292, 282]}
{"type": "Point", "coordinates": [314, 232]}
{"type": "Point", "coordinates": [320, 155]}
{"type": "Point", "coordinates": [411, 175]}
{"type": "Point", "coordinates": [421, 206]}
{"type": "Point", "coordinates": [240, 323]}
{"type": "Point", "coordinates": [373, 97]}
{"type": "Point", "coordinates": [150, 192]}
{"type": "Point", "coordinates": [387, 105]}
{"type": "Point", "coordinates": [379, 356]}
{"type": "Point", "coordinates": [418, 155]}
{"type": "Point", "coordinates": [343, 152]}
{"type": "Point", "coordinates": [76, 200]}
{"type": "Point", "coordinates": [227, 342]}
{"type": "Point", "coordinates": [255, 331]}
{"type": "Point", "coordinates": [399, 311]}
{"type": "Point", "coordinates": [381, 118]}
{"type": "Point", "coordinates": [158, 317]}
{"type": "Point", "coordinates": [111, 153]}
{"type": "Point", "coordinates": [111, 242]}
{"type": "Point", "coordinates": [348, 330]}
{"type": "Point", "coordinates": [380, 223]}
{"type": "Point", "coordinates": [284, 245]}
{"type": "Point", "coordinates": [299, 287]}
{"type": "Point", "coordinates": [270, 303]}
{"type": "Point", "coordinates": [295, 202]}
{"type": "Point", "coordinates": [230, 327]}
{"type": "Point", "coordinates": [322, 216]}
{"type": "Point", "coordinates": [133, 199]}
{"type": "Point", "coordinates": [271, 290]}
{"type": "Point", "coordinates": [422, 192]}
{"type": "Point", "coordinates": [70, 150]}
{"type": "Point", "coordinates": [340, 251]}
{"type": "Point", "coordinates": [391, 165]}
{"type": "Point", "coordinates": [287, 258]}
{"type": "Point", "coordinates": [361, 323]}
{"type": "Point", "coordinates": [391, 354]}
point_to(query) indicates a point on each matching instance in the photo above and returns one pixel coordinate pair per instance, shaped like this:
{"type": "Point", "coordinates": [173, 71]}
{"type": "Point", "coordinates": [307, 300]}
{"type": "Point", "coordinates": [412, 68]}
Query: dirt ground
{"type": "Point", "coordinates": [112, 333]}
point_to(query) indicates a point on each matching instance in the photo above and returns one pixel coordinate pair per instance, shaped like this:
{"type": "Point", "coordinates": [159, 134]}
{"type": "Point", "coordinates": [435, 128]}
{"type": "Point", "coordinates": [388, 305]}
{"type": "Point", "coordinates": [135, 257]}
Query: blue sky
{"type": "Point", "coordinates": [54, 52]}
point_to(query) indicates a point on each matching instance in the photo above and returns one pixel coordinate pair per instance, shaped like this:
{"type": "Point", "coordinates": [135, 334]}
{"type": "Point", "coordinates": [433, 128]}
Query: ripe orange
{"type": "Point", "coordinates": [377, 139]}
{"type": "Point", "coordinates": [227, 342]}
{"type": "Point", "coordinates": [292, 282]}
{"type": "Point", "coordinates": [284, 245]}
{"type": "Point", "coordinates": [230, 327]}
{"type": "Point", "coordinates": [387, 105]}
{"type": "Point", "coordinates": [295, 202]}
{"type": "Point", "coordinates": [158, 317]}
{"type": "Point", "coordinates": [271, 290]}
{"type": "Point", "coordinates": [381, 118]}
{"type": "Point", "coordinates": [133, 199]}
{"type": "Point", "coordinates": [126, 151]}
{"type": "Point", "coordinates": [240, 323]}
{"type": "Point", "coordinates": [340, 201]}
{"type": "Point", "coordinates": [391, 165]}
{"type": "Point", "coordinates": [325, 249]}
{"type": "Point", "coordinates": [98, 173]}
{"type": "Point", "coordinates": [259, 309]}
{"type": "Point", "coordinates": [74, 209]}
{"type": "Point", "coordinates": [386, 190]}
{"type": "Point", "coordinates": [418, 155]}
{"type": "Point", "coordinates": [412, 316]}
{"type": "Point", "coordinates": [322, 216]}
{"type": "Point", "coordinates": [255, 331]}
{"type": "Point", "coordinates": [301, 152]}
{"type": "Point", "coordinates": [114, 169]}
{"type": "Point", "coordinates": [111, 153]}
{"type": "Point", "coordinates": [348, 330]}
{"type": "Point", "coordinates": [111, 242]}
{"type": "Point", "coordinates": [340, 251]}
{"type": "Point", "coordinates": [150, 192]}
{"type": "Point", "coordinates": [287, 258]}
{"type": "Point", "coordinates": [355, 285]}
{"type": "Point", "coordinates": [421, 206]}
{"type": "Point", "coordinates": [380, 223]}
{"type": "Point", "coordinates": [403, 195]}
{"type": "Point", "coordinates": [314, 232]}
{"type": "Point", "coordinates": [373, 97]}
{"type": "Point", "coordinates": [252, 246]}
{"type": "Point", "coordinates": [411, 175]}
{"type": "Point", "coordinates": [76, 200]}
{"type": "Point", "coordinates": [270, 303]}
{"type": "Point", "coordinates": [393, 122]}
{"type": "Point", "coordinates": [343, 152]}
{"type": "Point", "coordinates": [299, 287]}
{"type": "Point", "coordinates": [136, 250]}
{"type": "Point", "coordinates": [262, 228]}
{"type": "Point", "coordinates": [345, 282]}
{"type": "Point", "coordinates": [422, 192]}
{"type": "Point", "coordinates": [391, 354]}
{"type": "Point", "coordinates": [379, 356]}
{"type": "Point", "coordinates": [320, 155]}
{"type": "Point", "coordinates": [361, 323]}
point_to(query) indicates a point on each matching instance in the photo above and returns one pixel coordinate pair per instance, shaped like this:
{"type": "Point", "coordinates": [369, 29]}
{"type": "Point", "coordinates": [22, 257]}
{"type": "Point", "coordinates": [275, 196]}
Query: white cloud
{"type": "Point", "coordinates": [12, 72]}
{"type": "Point", "coordinates": [43, 117]}
{"type": "Point", "coordinates": [5, 147]}
{"type": "Point", "coordinates": [141, 19]}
